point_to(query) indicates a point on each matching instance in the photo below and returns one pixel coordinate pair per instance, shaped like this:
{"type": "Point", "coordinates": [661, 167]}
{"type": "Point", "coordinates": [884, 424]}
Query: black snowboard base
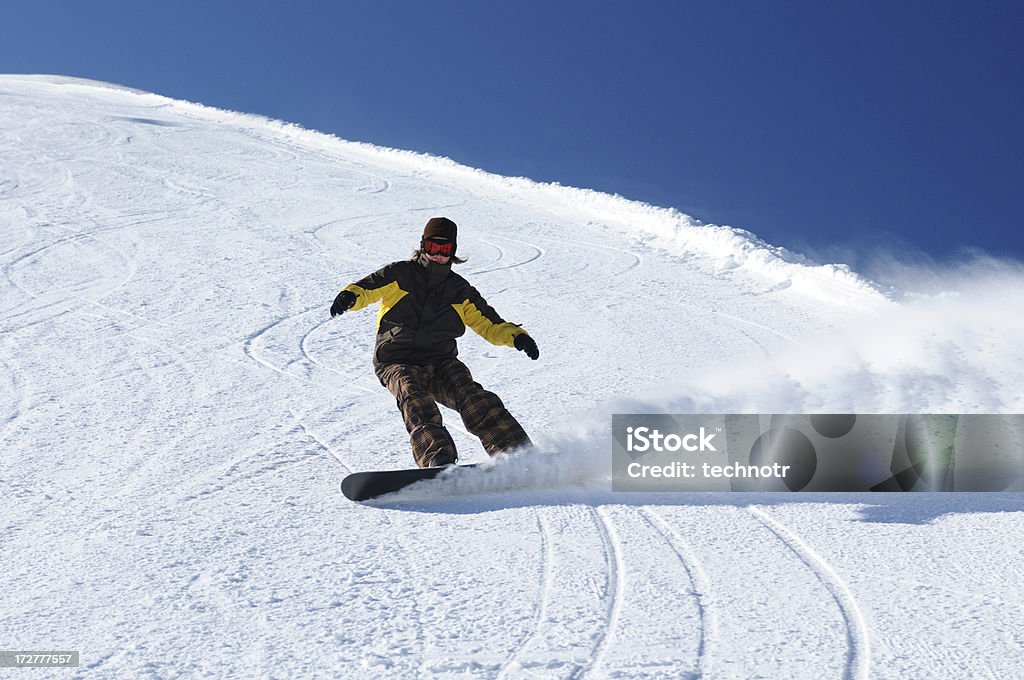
{"type": "Point", "coordinates": [361, 486]}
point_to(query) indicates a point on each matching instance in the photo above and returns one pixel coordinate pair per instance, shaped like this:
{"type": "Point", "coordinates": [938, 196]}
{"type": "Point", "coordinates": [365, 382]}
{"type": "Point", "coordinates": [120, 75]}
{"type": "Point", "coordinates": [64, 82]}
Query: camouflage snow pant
{"type": "Point", "coordinates": [418, 390]}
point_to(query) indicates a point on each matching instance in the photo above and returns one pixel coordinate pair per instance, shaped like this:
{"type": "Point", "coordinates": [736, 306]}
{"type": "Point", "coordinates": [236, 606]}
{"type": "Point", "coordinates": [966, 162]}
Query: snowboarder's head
{"type": "Point", "coordinates": [439, 240]}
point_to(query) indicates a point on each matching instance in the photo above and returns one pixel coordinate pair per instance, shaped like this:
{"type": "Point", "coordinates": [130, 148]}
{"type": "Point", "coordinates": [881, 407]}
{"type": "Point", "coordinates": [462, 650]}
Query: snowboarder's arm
{"type": "Point", "coordinates": [482, 318]}
{"type": "Point", "coordinates": [380, 285]}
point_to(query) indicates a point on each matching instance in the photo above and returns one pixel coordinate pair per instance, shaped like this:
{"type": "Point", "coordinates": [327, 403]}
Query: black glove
{"type": "Point", "coordinates": [343, 302]}
{"type": "Point", "coordinates": [524, 343]}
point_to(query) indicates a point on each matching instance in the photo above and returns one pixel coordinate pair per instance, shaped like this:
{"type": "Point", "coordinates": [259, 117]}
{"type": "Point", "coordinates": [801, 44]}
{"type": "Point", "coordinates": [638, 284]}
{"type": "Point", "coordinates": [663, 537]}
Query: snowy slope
{"type": "Point", "coordinates": [177, 409]}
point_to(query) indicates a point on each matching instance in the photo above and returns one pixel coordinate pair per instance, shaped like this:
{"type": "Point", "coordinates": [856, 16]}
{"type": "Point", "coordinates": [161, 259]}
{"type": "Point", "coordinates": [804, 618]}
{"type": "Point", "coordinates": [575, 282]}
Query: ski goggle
{"type": "Point", "coordinates": [446, 248]}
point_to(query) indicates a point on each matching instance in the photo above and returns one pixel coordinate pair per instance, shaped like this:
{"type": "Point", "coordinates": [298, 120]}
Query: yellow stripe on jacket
{"type": "Point", "coordinates": [494, 333]}
{"type": "Point", "coordinates": [388, 296]}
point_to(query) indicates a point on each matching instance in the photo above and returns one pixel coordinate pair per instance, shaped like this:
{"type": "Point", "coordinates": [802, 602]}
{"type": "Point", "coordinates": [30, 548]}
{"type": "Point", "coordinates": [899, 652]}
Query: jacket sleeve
{"type": "Point", "coordinates": [481, 317]}
{"type": "Point", "coordinates": [378, 286]}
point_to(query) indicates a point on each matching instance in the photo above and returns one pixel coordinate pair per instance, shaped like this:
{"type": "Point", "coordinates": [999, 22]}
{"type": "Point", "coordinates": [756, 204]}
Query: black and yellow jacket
{"type": "Point", "coordinates": [424, 307]}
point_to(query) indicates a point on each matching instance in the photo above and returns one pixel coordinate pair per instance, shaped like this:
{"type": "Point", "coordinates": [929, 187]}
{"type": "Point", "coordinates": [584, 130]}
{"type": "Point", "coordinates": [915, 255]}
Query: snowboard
{"type": "Point", "coordinates": [361, 486]}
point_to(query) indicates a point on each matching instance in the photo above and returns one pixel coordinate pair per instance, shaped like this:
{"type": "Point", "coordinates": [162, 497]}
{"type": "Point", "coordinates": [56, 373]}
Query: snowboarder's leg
{"type": "Point", "coordinates": [427, 435]}
{"type": "Point", "coordinates": [482, 412]}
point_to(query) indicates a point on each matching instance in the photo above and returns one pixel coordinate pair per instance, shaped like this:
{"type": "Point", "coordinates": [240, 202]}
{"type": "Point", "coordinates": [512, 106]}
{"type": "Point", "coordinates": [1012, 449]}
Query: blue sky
{"type": "Point", "coordinates": [835, 128]}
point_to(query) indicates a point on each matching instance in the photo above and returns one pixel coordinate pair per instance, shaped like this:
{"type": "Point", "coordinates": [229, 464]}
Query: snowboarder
{"type": "Point", "coordinates": [424, 307]}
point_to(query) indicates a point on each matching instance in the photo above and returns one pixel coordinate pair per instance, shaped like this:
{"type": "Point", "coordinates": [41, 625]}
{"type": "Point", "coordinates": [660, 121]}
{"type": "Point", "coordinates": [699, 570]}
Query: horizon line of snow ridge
{"type": "Point", "coordinates": [667, 229]}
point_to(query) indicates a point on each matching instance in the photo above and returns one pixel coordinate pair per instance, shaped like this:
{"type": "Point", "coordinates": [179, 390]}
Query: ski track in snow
{"type": "Point", "coordinates": [537, 253]}
{"type": "Point", "coordinates": [702, 586]}
{"type": "Point", "coordinates": [512, 662]}
{"type": "Point", "coordinates": [178, 409]}
{"type": "Point", "coordinates": [859, 659]}
{"type": "Point", "coordinates": [615, 574]}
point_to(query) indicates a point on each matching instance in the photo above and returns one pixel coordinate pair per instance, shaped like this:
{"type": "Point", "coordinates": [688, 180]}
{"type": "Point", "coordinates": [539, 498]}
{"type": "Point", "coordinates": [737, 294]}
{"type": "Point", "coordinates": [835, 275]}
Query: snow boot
{"type": "Point", "coordinates": [441, 459]}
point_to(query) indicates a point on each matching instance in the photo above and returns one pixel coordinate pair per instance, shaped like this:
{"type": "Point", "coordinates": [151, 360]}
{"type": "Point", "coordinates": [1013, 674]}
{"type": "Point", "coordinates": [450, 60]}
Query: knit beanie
{"type": "Point", "coordinates": [440, 227]}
